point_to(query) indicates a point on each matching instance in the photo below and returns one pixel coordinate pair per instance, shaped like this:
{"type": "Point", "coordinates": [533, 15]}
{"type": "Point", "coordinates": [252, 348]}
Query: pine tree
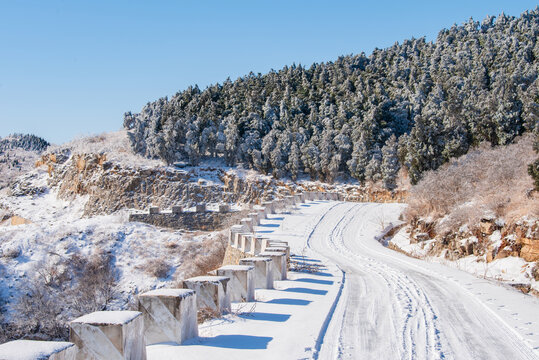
{"type": "Point", "coordinates": [390, 163]}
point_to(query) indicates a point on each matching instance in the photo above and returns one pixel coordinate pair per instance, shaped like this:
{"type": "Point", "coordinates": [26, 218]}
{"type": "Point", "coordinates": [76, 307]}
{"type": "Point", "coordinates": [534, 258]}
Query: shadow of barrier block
{"type": "Point", "coordinates": [212, 292]}
{"type": "Point", "coordinates": [263, 274]}
{"type": "Point", "coordinates": [241, 285]}
{"type": "Point", "coordinates": [109, 335]}
{"type": "Point", "coordinates": [170, 315]}
{"type": "Point", "coordinates": [34, 349]}
{"type": "Point", "coordinates": [279, 267]}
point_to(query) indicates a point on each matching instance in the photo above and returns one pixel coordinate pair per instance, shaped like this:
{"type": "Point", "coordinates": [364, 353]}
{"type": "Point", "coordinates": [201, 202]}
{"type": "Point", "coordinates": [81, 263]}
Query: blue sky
{"type": "Point", "coordinates": [72, 68]}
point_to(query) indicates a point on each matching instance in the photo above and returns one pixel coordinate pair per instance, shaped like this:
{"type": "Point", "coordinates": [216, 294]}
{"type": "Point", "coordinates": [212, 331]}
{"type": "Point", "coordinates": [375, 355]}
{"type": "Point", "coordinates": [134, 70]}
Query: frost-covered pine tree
{"type": "Point", "coordinates": [390, 163]}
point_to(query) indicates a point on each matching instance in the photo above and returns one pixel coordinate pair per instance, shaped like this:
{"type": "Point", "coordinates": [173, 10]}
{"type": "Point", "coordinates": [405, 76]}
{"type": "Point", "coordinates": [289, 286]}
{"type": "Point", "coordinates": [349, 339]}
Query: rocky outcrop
{"type": "Point", "coordinates": [491, 237]}
{"type": "Point", "coordinates": [111, 186]}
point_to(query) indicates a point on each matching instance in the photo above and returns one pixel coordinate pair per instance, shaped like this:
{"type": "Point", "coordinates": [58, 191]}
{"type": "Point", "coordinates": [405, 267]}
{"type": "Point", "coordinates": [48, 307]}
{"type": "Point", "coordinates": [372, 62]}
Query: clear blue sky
{"type": "Point", "coordinates": [72, 68]}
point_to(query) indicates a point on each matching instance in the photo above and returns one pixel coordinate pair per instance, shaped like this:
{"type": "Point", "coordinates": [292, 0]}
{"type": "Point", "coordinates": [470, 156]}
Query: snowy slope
{"type": "Point", "coordinates": [58, 231]}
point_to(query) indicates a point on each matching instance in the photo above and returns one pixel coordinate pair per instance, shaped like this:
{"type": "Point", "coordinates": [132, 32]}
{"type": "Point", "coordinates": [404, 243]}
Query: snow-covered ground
{"type": "Point", "coordinates": [511, 270]}
{"type": "Point", "coordinates": [287, 322]}
{"type": "Point", "coordinates": [394, 306]}
{"type": "Point", "coordinates": [370, 302]}
{"type": "Point", "coordinates": [58, 231]}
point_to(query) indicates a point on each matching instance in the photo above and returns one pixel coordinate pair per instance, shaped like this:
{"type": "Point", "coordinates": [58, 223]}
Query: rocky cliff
{"type": "Point", "coordinates": [112, 185]}
{"type": "Point", "coordinates": [491, 237]}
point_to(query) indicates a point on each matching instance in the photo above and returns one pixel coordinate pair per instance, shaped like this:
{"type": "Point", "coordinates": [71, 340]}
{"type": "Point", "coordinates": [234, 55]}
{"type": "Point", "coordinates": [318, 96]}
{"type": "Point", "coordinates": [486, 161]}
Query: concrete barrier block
{"type": "Point", "coordinates": [154, 210]}
{"type": "Point", "coordinates": [170, 315]}
{"type": "Point", "coordinates": [245, 242]}
{"type": "Point", "coordinates": [285, 249]}
{"type": "Point", "coordinates": [270, 209]}
{"type": "Point", "coordinates": [199, 208]}
{"type": "Point", "coordinates": [290, 200]}
{"type": "Point", "coordinates": [254, 218]}
{"type": "Point", "coordinates": [212, 292]}
{"type": "Point", "coordinates": [279, 268]}
{"type": "Point", "coordinates": [262, 213]}
{"type": "Point", "coordinates": [109, 335]}
{"type": "Point", "coordinates": [263, 274]}
{"type": "Point", "coordinates": [241, 285]}
{"type": "Point", "coordinates": [34, 349]}
{"type": "Point", "coordinates": [248, 223]}
{"type": "Point", "coordinates": [232, 234]}
{"type": "Point", "coordinates": [258, 245]}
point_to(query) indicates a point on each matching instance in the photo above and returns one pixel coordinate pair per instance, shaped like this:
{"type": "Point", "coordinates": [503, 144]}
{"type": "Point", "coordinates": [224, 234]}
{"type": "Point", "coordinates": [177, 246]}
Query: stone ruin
{"type": "Point", "coordinates": [177, 218]}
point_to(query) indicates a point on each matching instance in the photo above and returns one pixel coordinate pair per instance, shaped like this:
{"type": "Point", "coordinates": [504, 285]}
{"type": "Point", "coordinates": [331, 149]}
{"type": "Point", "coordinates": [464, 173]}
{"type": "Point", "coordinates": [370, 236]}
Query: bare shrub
{"type": "Point", "coordinates": [206, 313]}
{"type": "Point", "coordinates": [62, 289]}
{"type": "Point", "coordinates": [535, 271]}
{"type": "Point", "coordinates": [95, 282]}
{"type": "Point", "coordinates": [158, 268]}
{"type": "Point", "coordinates": [486, 181]}
{"type": "Point", "coordinates": [202, 257]}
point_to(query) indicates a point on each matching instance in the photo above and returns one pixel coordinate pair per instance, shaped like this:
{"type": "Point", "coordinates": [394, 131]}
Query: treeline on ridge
{"type": "Point", "coordinates": [413, 105]}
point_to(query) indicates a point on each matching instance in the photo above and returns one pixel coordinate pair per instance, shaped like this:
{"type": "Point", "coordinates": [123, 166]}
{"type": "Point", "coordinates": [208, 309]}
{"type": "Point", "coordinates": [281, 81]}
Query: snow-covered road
{"type": "Point", "coordinates": [396, 307]}
{"type": "Point", "coordinates": [366, 302]}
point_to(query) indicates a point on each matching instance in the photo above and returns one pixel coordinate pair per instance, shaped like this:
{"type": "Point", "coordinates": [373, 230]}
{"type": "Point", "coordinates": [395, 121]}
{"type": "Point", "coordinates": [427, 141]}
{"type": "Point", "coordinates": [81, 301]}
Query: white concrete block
{"type": "Point", "coordinates": [262, 213]}
{"type": "Point", "coordinates": [290, 200]}
{"type": "Point", "coordinates": [232, 234]}
{"type": "Point", "coordinates": [270, 208]}
{"type": "Point", "coordinates": [241, 285]}
{"type": "Point", "coordinates": [34, 350]}
{"type": "Point", "coordinates": [245, 242]}
{"type": "Point", "coordinates": [248, 223]}
{"type": "Point", "coordinates": [254, 218]}
{"type": "Point", "coordinates": [109, 335]}
{"type": "Point", "coordinates": [263, 275]}
{"type": "Point", "coordinates": [212, 292]}
{"type": "Point", "coordinates": [285, 249]}
{"type": "Point", "coordinates": [258, 245]}
{"type": "Point", "coordinates": [279, 268]}
{"type": "Point", "coordinates": [170, 315]}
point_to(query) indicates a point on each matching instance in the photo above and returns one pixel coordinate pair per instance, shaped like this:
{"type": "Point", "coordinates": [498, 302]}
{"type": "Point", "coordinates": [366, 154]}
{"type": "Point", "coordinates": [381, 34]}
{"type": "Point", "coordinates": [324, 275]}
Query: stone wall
{"type": "Point", "coordinates": [206, 221]}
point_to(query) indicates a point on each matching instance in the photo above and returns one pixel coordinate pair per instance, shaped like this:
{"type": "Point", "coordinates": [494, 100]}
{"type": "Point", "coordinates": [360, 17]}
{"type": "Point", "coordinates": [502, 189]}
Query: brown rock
{"type": "Point", "coordinates": [530, 249]}
{"type": "Point", "coordinates": [487, 227]}
{"type": "Point", "coordinates": [17, 220]}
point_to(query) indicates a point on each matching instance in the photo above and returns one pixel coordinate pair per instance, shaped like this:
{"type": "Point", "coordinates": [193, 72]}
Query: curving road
{"type": "Point", "coordinates": [396, 307]}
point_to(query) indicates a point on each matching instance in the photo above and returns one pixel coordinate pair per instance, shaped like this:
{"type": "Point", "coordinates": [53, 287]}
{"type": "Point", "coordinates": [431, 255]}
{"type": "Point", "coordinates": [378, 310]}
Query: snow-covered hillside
{"type": "Point", "coordinates": [41, 261]}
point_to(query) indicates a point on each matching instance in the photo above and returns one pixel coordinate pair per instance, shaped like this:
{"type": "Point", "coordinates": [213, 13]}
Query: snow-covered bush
{"type": "Point", "coordinates": [62, 288]}
{"type": "Point", "coordinates": [158, 268]}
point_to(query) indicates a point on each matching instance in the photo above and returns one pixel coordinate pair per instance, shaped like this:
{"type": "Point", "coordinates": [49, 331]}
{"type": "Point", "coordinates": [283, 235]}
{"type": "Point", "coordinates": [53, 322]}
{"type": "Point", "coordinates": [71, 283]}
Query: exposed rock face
{"type": "Point", "coordinates": [113, 186]}
{"type": "Point", "coordinates": [519, 239]}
